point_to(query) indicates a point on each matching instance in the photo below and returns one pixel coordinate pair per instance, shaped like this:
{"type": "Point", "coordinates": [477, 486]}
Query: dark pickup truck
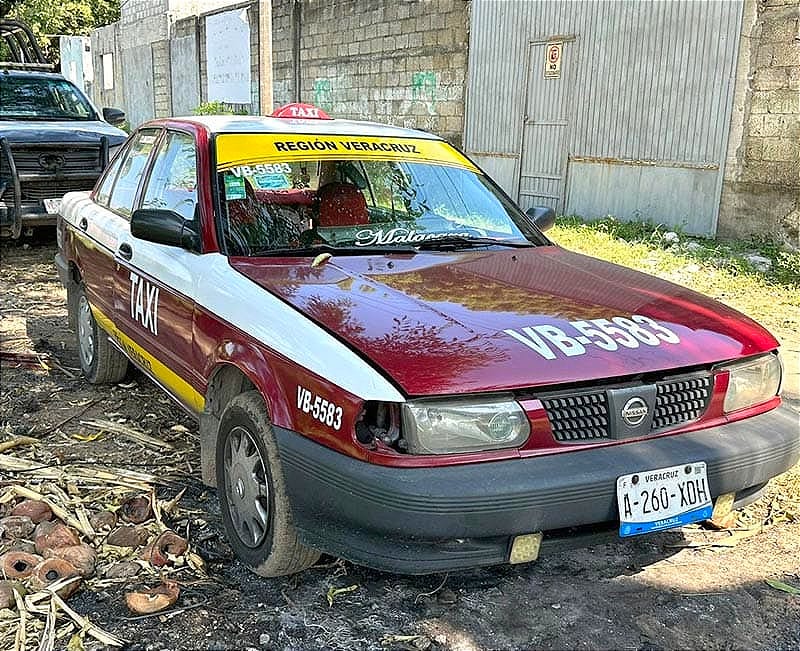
{"type": "Point", "coordinates": [52, 141]}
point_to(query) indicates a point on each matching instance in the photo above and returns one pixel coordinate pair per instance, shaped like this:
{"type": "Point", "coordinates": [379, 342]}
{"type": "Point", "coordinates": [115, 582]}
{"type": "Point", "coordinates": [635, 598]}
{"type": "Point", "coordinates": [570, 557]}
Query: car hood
{"type": "Point", "coordinates": [438, 323]}
{"type": "Point", "coordinates": [72, 131]}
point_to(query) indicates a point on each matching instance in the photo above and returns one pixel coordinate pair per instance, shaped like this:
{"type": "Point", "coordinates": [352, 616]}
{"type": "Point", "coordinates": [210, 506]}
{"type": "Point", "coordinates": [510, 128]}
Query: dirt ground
{"type": "Point", "coordinates": [693, 588]}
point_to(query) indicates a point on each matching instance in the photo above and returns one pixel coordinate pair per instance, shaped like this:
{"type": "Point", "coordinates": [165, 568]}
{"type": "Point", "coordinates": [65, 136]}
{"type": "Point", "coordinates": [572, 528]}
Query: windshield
{"type": "Point", "coordinates": [341, 194]}
{"type": "Point", "coordinates": [32, 98]}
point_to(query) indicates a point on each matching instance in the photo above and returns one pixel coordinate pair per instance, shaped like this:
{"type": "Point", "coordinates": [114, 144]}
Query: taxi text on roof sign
{"type": "Point", "coordinates": [248, 148]}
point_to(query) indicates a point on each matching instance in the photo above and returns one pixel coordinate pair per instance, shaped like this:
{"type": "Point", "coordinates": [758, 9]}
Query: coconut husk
{"type": "Point", "coordinates": [16, 527]}
{"type": "Point", "coordinates": [164, 549]}
{"type": "Point", "coordinates": [52, 570]}
{"type": "Point", "coordinates": [60, 535]}
{"type": "Point", "coordinates": [128, 536]}
{"type": "Point", "coordinates": [136, 510]}
{"type": "Point", "coordinates": [36, 510]}
{"type": "Point", "coordinates": [82, 557]}
{"type": "Point", "coordinates": [18, 564]}
{"type": "Point", "coordinates": [154, 600]}
{"type": "Point", "coordinates": [103, 520]}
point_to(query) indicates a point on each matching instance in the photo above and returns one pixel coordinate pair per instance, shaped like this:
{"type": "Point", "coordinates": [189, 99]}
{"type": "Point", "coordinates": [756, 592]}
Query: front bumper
{"type": "Point", "coordinates": [14, 221]}
{"type": "Point", "coordinates": [422, 520]}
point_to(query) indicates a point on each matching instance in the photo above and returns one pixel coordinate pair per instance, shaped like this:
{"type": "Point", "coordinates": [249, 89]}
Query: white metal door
{"type": "Point", "coordinates": [545, 132]}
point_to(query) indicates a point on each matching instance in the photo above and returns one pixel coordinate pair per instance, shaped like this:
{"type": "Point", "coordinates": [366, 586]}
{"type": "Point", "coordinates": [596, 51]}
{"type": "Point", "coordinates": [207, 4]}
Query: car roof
{"type": "Point", "coordinates": [258, 124]}
{"type": "Point", "coordinates": [30, 74]}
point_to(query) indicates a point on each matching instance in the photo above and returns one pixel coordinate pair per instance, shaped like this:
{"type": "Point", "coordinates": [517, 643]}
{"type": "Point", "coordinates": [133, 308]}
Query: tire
{"type": "Point", "coordinates": [252, 494]}
{"type": "Point", "coordinates": [101, 362]}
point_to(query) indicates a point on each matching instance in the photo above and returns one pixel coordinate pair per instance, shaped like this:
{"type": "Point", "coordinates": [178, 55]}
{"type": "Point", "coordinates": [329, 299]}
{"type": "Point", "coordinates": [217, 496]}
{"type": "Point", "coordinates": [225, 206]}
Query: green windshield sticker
{"type": "Point", "coordinates": [234, 187]}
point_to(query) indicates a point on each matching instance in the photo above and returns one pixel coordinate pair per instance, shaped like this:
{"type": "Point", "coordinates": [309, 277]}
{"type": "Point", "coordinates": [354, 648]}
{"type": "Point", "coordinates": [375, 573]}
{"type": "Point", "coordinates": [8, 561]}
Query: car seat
{"type": "Point", "coordinates": [341, 204]}
{"type": "Point", "coordinates": [244, 211]}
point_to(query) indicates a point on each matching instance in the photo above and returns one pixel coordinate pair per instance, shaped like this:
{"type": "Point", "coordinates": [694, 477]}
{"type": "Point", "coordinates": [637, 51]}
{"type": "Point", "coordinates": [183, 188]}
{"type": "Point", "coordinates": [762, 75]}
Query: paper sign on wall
{"type": "Point", "coordinates": [552, 60]}
{"type": "Point", "coordinates": [228, 57]}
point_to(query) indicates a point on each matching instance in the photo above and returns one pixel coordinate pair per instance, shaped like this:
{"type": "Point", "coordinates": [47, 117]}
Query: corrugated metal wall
{"type": "Point", "coordinates": [646, 89]}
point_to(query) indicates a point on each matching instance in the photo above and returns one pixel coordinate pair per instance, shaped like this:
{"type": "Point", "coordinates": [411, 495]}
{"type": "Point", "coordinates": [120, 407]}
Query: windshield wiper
{"type": "Point", "coordinates": [315, 249]}
{"type": "Point", "coordinates": [461, 242]}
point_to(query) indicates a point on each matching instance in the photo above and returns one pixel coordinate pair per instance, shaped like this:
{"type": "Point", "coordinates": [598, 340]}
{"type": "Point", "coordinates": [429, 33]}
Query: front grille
{"type": "Point", "coordinates": [36, 191]}
{"type": "Point", "coordinates": [80, 169]}
{"type": "Point", "coordinates": [583, 416]}
{"type": "Point", "coordinates": [681, 401]}
{"type": "Point", "coordinates": [75, 159]}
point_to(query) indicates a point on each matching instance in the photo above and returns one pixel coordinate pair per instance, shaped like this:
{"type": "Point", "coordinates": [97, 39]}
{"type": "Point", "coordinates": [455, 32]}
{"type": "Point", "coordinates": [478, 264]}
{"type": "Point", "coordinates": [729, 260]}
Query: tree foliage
{"type": "Point", "coordinates": [49, 18]}
{"type": "Point", "coordinates": [61, 17]}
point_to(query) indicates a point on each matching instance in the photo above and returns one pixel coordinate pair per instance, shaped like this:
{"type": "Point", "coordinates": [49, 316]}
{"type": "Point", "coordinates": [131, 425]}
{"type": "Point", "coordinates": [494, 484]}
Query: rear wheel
{"type": "Point", "coordinates": [253, 499]}
{"type": "Point", "coordinates": [101, 362]}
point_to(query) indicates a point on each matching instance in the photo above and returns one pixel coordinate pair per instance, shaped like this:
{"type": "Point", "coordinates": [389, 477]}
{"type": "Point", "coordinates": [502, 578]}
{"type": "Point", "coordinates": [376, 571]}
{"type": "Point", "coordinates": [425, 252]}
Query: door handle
{"type": "Point", "coordinates": [125, 251]}
{"type": "Point", "coordinates": [83, 224]}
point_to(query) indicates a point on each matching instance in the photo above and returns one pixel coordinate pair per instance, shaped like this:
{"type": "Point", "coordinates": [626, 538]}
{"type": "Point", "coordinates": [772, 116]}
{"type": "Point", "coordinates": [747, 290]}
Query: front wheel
{"type": "Point", "coordinates": [253, 499]}
{"type": "Point", "coordinates": [101, 362]}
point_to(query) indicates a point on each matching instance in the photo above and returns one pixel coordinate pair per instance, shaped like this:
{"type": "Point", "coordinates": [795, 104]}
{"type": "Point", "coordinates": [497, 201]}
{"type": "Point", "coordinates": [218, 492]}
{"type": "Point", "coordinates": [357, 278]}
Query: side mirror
{"type": "Point", "coordinates": [165, 227]}
{"type": "Point", "coordinates": [542, 216]}
{"type": "Point", "coordinates": [114, 116]}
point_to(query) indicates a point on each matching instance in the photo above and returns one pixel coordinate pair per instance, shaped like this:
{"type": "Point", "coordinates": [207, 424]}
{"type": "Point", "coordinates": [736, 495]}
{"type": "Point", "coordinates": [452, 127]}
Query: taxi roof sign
{"type": "Point", "coordinates": [303, 111]}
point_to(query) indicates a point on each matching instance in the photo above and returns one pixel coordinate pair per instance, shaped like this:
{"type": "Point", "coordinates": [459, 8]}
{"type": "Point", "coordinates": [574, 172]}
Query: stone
{"type": "Point", "coordinates": [758, 262]}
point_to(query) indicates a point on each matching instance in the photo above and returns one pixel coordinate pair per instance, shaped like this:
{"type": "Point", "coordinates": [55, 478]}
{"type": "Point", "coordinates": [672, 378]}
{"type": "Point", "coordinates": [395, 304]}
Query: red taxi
{"type": "Point", "coordinates": [390, 362]}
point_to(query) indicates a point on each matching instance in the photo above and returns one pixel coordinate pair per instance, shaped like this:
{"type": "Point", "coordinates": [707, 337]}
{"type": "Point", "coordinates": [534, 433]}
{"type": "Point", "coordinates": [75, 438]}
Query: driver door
{"type": "Point", "coordinates": [155, 284]}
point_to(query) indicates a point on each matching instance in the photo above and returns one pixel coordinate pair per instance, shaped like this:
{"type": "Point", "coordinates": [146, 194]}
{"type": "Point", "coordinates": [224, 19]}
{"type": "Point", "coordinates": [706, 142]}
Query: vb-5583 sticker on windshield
{"type": "Point", "coordinates": [549, 340]}
{"type": "Point", "coordinates": [235, 150]}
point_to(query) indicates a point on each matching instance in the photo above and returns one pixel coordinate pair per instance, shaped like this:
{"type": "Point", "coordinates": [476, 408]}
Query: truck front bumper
{"type": "Point", "coordinates": [434, 519]}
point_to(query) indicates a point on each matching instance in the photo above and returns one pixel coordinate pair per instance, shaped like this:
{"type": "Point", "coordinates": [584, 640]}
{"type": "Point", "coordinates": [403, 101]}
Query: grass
{"type": "Point", "coordinates": [717, 269]}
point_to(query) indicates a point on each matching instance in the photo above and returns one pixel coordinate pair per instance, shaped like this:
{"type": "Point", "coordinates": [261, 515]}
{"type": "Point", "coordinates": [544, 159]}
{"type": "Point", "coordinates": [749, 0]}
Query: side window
{"type": "Point", "coordinates": [130, 173]}
{"type": "Point", "coordinates": [173, 181]}
{"type": "Point", "coordinates": [104, 189]}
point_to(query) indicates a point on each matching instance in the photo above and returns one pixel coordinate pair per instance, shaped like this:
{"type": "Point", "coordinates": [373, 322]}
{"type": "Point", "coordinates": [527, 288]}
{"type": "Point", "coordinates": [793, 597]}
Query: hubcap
{"type": "Point", "coordinates": [246, 487]}
{"type": "Point", "coordinates": [85, 332]}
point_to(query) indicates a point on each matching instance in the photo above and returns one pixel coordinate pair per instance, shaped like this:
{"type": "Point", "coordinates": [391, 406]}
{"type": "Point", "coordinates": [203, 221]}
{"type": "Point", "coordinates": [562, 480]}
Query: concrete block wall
{"type": "Point", "coordinates": [162, 79]}
{"type": "Point", "coordinates": [761, 186]}
{"type": "Point", "coordinates": [134, 11]}
{"type": "Point", "coordinates": [401, 62]}
{"type": "Point", "coordinates": [105, 40]}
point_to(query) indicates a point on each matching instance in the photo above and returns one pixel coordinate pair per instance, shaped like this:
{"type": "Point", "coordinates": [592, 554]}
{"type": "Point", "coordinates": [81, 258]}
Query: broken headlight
{"type": "Point", "coordinates": [446, 426]}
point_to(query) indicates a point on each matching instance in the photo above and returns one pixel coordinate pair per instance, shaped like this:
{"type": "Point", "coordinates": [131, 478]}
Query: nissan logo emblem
{"type": "Point", "coordinates": [634, 411]}
{"type": "Point", "coordinates": [51, 162]}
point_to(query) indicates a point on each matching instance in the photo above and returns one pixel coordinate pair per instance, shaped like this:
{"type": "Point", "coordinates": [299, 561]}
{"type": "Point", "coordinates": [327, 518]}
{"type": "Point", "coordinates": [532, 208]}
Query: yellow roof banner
{"type": "Point", "coordinates": [234, 149]}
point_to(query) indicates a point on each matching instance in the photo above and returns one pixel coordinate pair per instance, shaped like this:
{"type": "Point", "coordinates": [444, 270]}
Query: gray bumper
{"type": "Point", "coordinates": [419, 520]}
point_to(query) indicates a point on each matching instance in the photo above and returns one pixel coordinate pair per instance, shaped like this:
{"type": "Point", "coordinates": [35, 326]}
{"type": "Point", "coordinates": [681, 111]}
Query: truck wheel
{"type": "Point", "coordinates": [101, 362]}
{"type": "Point", "coordinates": [253, 500]}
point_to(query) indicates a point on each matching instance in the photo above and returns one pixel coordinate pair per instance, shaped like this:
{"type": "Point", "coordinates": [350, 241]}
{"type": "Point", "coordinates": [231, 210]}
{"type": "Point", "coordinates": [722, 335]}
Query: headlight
{"type": "Point", "coordinates": [752, 382]}
{"type": "Point", "coordinates": [463, 425]}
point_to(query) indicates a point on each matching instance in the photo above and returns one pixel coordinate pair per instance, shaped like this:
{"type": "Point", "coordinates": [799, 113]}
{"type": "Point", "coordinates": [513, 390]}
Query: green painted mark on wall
{"type": "Point", "coordinates": [423, 89]}
{"type": "Point", "coordinates": [323, 97]}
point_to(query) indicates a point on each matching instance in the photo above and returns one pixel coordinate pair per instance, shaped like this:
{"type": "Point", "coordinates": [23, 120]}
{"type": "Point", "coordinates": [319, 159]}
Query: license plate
{"type": "Point", "coordinates": [52, 206]}
{"type": "Point", "coordinates": [664, 498]}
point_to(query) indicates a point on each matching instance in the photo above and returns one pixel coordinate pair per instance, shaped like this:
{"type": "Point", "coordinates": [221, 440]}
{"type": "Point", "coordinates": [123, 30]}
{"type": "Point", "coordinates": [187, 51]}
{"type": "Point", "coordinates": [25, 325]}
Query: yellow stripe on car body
{"type": "Point", "coordinates": [162, 373]}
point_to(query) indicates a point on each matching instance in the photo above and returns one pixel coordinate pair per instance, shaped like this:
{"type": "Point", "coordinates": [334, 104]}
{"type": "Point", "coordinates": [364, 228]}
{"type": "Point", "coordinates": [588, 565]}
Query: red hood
{"type": "Point", "coordinates": [435, 322]}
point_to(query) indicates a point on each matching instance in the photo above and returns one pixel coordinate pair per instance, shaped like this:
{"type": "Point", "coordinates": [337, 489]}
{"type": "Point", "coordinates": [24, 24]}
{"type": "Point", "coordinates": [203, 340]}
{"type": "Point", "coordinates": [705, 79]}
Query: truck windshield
{"type": "Point", "coordinates": [350, 195]}
{"type": "Point", "coordinates": [41, 98]}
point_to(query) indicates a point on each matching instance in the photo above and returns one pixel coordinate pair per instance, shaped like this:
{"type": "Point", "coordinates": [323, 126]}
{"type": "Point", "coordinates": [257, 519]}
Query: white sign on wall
{"type": "Point", "coordinates": [228, 57]}
{"type": "Point", "coordinates": [552, 60]}
{"type": "Point", "coordinates": [107, 62]}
